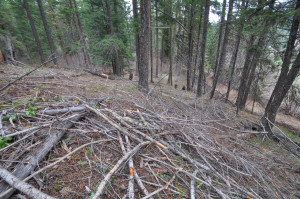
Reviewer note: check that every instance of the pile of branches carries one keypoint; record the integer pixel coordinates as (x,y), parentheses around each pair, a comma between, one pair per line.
(131,145)
(135,149)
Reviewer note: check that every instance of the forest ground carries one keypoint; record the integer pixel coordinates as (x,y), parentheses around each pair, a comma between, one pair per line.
(58,85)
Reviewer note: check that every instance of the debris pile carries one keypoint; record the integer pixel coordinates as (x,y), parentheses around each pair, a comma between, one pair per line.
(133,145)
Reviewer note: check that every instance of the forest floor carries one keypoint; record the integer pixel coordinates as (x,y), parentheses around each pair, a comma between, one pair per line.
(232,157)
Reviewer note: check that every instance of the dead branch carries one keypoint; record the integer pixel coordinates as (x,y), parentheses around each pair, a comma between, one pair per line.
(116,167)
(22,186)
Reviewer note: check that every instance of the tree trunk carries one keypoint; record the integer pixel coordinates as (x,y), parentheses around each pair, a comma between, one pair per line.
(136,36)
(220,37)
(245,72)
(58,34)
(145,36)
(162,54)
(203,45)
(170,78)
(116,61)
(254,63)
(198,47)
(48,31)
(235,53)
(224,50)
(191,48)
(151,57)
(35,35)
(87,59)
(157,52)
(180,51)
(286,77)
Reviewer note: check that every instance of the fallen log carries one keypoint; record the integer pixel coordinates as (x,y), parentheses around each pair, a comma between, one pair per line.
(100,74)
(23,170)
(22,186)
(64,110)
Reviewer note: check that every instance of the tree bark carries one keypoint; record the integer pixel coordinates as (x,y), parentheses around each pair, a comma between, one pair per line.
(235,53)
(286,77)
(47,30)
(245,71)
(220,37)
(191,48)
(170,78)
(162,54)
(136,36)
(151,57)
(145,48)
(198,47)
(34,32)
(224,50)
(157,52)
(253,65)
(203,45)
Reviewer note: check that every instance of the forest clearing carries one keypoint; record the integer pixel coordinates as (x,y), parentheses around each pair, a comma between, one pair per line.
(149,99)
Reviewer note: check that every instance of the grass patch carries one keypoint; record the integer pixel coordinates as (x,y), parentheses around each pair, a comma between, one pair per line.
(290,134)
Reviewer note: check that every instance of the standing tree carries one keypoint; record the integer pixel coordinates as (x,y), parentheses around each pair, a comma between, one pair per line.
(220,36)
(287,75)
(116,61)
(157,41)
(47,30)
(223,51)
(191,47)
(136,35)
(236,49)
(144,44)
(86,55)
(203,45)
(34,32)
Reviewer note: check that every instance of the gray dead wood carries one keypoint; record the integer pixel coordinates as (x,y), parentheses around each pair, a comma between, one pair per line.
(22,171)
(64,110)
(116,167)
(1,127)
(22,186)
(193,192)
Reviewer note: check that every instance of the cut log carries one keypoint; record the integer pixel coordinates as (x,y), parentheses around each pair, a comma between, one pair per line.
(32,161)
(100,74)
(64,110)
(25,188)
